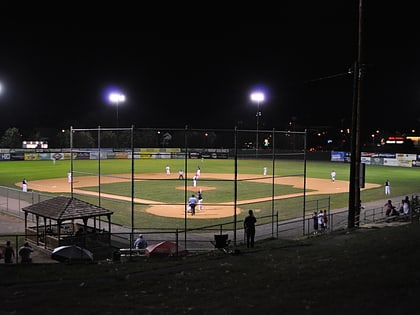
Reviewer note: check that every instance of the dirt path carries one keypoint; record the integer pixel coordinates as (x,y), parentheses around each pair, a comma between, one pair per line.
(319,186)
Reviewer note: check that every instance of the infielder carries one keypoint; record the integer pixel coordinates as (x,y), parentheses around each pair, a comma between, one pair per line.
(25,185)
(180,174)
(200,200)
(387,187)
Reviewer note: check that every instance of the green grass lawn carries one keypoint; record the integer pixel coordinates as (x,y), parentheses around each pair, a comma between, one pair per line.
(365,271)
(404,181)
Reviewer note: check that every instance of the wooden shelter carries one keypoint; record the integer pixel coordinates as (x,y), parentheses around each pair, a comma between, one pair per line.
(64,221)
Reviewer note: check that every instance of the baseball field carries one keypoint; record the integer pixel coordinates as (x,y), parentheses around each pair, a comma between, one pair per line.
(160,198)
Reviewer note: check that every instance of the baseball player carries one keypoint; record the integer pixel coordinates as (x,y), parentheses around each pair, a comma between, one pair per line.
(333,175)
(181,174)
(200,200)
(25,185)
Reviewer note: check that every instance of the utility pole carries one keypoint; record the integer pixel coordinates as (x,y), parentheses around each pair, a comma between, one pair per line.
(354,188)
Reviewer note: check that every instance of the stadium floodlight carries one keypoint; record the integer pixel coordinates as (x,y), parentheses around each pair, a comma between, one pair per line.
(116,98)
(257,97)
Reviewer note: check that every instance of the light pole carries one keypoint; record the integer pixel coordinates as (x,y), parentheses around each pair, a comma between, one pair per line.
(116,98)
(257,97)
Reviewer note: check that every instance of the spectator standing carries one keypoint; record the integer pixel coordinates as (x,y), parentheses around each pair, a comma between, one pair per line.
(387,187)
(321,221)
(315,221)
(9,253)
(25,253)
(325,219)
(406,205)
(358,211)
(249,226)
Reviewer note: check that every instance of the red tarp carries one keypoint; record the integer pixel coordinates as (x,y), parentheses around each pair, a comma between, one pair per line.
(165,248)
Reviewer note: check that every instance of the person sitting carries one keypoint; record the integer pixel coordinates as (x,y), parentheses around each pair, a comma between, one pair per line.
(140,242)
(79,232)
(25,253)
(390,209)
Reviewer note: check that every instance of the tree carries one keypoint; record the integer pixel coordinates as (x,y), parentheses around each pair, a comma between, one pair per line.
(11,139)
(83,139)
(61,139)
(109,139)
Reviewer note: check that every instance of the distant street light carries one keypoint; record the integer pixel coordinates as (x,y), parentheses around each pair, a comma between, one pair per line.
(257,97)
(117,98)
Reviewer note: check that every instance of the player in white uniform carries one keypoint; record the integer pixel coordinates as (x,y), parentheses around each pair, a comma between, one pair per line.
(333,175)
(25,185)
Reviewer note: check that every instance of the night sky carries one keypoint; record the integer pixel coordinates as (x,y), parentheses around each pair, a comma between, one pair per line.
(201,75)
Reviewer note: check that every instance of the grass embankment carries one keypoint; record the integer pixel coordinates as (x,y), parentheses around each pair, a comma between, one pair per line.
(366,271)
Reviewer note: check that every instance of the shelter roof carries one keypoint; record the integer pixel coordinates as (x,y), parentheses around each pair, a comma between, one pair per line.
(63,208)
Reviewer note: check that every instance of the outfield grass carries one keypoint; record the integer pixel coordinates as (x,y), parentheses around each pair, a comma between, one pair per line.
(404,181)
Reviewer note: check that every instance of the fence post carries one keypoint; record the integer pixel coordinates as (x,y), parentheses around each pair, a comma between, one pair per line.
(177,241)
(7,200)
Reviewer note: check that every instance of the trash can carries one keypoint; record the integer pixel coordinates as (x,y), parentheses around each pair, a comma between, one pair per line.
(116,256)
